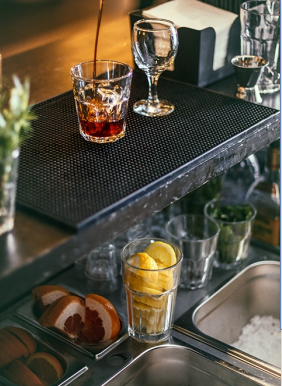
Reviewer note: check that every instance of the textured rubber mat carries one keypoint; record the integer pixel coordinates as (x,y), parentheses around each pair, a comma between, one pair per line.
(72,181)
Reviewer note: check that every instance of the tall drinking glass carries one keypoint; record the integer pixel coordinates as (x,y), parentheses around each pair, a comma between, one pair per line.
(154,47)
(150,292)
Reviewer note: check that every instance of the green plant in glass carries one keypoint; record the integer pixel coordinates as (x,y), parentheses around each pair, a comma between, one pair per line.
(235,223)
(15,127)
(15,117)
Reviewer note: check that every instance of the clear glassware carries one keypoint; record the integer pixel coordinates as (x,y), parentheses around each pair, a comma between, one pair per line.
(154,47)
(101,269)
(260,36)
(101,99)
(235,219)
(150,293)
(196,235)
(8,188)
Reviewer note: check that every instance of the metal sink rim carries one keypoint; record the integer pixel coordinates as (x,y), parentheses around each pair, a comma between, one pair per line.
(178,343)
(192,330)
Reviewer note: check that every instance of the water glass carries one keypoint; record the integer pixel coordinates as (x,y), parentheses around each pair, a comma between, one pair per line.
(101,99)
(101,270)
(150,294)
(260,36)
(197,236)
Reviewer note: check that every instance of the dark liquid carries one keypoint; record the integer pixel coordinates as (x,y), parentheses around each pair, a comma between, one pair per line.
(97,37)
(101,129)
(100,122)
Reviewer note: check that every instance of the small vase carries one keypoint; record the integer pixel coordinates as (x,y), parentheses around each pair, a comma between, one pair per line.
(8,188)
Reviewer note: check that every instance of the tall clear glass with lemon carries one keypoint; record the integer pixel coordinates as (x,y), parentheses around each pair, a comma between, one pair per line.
(151,273)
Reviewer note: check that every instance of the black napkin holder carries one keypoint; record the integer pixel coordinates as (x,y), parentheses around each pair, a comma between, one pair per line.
(194,61)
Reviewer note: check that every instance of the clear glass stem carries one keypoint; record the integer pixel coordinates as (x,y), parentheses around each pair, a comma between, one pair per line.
(153,99)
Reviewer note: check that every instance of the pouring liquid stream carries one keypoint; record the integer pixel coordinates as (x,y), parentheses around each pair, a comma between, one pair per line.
(97,36)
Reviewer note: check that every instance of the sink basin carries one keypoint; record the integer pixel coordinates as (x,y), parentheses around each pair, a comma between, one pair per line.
(171,364)
(255,291)
(219,320)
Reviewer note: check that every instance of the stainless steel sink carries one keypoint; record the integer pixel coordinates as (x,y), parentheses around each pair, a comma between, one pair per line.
(176,365)
(218,321)
(255,291)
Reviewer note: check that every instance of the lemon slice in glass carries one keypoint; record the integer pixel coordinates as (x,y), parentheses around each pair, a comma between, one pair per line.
(144,261)
(162,253)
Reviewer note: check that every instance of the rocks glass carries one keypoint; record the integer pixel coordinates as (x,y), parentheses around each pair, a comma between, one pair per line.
(197,236)
(235,220)
(101,270)
(101,99)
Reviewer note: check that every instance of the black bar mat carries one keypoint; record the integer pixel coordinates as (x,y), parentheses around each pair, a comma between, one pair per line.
(76,182)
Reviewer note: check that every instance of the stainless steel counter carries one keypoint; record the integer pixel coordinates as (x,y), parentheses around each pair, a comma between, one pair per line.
(105,366)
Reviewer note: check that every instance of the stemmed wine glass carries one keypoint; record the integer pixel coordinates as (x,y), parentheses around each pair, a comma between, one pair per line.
(154,47)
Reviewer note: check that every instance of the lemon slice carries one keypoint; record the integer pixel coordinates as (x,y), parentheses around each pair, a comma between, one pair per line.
(152,301)
(165,278)
(145,290)
(162,253)
(144,261)
(134,282)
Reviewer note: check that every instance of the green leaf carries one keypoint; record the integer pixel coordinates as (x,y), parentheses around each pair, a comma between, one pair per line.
(15,117)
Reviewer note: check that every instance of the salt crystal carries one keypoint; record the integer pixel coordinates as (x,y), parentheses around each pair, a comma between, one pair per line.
(261,337)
